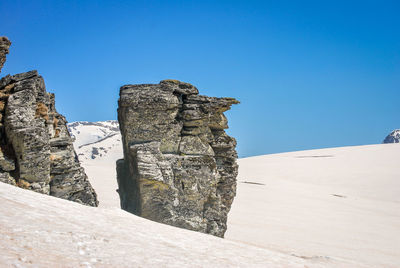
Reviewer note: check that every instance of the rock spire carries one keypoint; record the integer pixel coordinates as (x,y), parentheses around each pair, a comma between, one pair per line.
(179,165)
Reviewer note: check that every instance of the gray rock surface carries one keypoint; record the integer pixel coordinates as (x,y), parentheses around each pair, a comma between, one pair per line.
(4,45)
(179,165)
(393,137)
(36,150)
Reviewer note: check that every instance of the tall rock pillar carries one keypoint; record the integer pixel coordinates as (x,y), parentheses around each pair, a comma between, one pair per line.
(179,165)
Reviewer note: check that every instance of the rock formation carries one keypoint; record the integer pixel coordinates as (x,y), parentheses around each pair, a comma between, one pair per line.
(179,165)
(393,137)
(36,150)
(4,45)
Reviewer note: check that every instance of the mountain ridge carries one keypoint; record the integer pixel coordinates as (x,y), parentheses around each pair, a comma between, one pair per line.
(95,140)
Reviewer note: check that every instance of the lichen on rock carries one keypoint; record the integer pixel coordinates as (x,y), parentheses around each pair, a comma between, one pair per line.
(4,46)
(179,165)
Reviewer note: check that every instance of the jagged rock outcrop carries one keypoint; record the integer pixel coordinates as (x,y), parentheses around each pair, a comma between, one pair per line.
(36,150)
(4,45)
(179,165)
(393,137)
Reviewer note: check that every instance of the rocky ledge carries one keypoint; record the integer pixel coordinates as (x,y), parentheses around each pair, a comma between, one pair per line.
(36,150)
(179,165)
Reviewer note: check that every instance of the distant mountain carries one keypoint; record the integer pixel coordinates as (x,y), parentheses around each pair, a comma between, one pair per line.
(94,140)
(393,137)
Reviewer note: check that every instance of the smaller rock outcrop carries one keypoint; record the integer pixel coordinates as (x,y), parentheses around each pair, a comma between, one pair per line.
(4,45)
(393,137)
(36,150)
(179,165)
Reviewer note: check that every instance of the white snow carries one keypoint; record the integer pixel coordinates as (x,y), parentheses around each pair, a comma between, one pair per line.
(331,205)
(337,203)
(105,138)
(43,231)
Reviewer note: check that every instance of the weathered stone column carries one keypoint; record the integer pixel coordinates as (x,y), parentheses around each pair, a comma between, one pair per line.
(179,165)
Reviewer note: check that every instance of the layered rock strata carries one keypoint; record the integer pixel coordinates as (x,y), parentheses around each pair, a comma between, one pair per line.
(36,150)
(179,165)
(4,45)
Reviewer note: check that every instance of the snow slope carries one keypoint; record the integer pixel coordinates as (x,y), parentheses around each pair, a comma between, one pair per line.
(337,203)
(98,146)
(331,204)
(43,231)
(95,139)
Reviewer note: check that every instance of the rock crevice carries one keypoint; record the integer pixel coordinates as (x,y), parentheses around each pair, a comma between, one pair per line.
(179,165)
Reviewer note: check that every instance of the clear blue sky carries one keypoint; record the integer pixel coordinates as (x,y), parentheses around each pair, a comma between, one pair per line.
(309,74)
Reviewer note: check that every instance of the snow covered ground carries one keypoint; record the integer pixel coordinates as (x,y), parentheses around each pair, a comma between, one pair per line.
(43,231)
(331,203)
(336,205)
(95,139)
(99,146)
